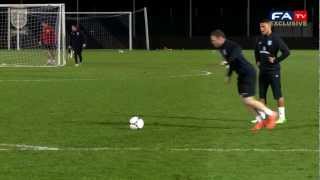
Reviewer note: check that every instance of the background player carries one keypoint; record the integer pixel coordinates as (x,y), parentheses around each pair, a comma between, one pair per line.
(48,41)
(268,61)
(77,42)
(246,78)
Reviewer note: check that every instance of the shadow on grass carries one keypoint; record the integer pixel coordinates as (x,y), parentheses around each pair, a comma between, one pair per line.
(184,122)
(177,122)
(176,117)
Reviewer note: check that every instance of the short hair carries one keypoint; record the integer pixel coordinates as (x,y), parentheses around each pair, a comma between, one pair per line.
(218,33)
(265,21)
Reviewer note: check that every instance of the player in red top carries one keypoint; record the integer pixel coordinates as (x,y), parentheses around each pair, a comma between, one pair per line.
(48,41)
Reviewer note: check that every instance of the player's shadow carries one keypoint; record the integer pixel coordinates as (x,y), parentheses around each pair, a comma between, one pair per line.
(295,127)
(177,121)
(123,125)
(177,117)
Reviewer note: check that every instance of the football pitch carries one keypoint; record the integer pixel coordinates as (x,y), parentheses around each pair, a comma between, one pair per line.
(72,123)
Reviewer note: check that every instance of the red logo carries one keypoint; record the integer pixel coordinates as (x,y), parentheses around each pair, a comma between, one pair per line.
(300,15)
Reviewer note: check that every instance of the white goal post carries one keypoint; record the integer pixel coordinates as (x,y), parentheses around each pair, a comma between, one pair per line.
(23,41)
(37,35)
(138,15)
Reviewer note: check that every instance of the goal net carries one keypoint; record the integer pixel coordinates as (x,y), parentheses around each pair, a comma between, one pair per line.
(32,35)
(111,30)
(102,30)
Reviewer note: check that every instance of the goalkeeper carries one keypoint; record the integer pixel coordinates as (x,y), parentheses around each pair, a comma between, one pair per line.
(77,42)
(48,41)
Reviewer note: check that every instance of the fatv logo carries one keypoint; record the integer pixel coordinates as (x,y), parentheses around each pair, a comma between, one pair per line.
(281,16)
(299,15)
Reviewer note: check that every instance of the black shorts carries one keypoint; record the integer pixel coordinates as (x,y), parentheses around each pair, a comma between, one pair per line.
(247,85)
(272,79)
(77,50)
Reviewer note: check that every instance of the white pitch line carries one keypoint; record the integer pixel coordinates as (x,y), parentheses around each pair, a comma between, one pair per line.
(203,73)
(24,147)
(29,147)
(244,150)
(45,80)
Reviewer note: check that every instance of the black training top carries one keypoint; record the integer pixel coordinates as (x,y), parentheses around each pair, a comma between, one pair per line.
(76,39)
(269,46)
(232,53)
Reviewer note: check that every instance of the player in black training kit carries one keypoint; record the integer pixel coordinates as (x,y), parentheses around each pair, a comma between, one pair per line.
(235,61)
(268,61)
(77,42)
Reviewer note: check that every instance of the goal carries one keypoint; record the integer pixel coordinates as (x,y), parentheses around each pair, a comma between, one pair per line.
(103,30)
(32,35)
(110,30)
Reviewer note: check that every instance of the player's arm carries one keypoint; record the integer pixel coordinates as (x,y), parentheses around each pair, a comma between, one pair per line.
(235,53)
(83,40)
(257,53)
(41,38)
(223,62)
(285,52)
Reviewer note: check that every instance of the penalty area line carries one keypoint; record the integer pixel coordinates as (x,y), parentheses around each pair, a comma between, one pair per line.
(25,147)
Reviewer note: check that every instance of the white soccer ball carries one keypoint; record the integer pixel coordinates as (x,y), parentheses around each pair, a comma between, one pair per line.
(136,123)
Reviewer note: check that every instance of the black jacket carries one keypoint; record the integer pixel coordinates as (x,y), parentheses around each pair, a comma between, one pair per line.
(76,40)
(269,46)
(232,53)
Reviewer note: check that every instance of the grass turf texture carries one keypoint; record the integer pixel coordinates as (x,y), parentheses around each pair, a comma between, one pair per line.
(90,106)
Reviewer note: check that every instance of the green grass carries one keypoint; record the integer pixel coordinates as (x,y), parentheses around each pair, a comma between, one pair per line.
(24,57)
(89,107)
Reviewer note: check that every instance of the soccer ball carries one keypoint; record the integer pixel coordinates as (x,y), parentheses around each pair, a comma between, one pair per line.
(136,123)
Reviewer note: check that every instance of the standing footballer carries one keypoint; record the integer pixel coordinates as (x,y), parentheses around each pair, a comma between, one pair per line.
(48,41)
(268,61)
(235,60)
(77,42)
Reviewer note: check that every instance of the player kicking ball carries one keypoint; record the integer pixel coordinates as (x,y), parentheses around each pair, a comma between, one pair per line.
(235,61)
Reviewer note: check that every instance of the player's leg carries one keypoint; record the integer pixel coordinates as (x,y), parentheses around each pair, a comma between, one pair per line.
(260,123)
(277,94)
(263,89)
(76,61)
(264,83)
(49,57)
(246,89)
(255,112)
(52,55)
(80,55)
(47,48)
(255,104)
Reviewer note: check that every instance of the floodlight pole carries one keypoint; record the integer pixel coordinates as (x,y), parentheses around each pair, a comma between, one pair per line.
(248,18)
(134,17)
(77,12)
(190,18)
